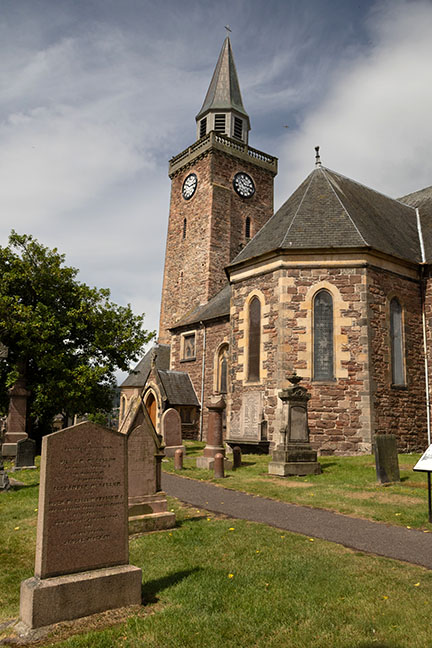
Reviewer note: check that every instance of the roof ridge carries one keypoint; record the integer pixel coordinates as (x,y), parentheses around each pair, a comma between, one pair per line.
(324,169)
(298,208)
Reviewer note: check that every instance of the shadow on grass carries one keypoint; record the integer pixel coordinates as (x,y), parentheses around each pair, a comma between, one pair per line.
(327,464)
(246,463)
(374,644)
(17,485)
(151,588)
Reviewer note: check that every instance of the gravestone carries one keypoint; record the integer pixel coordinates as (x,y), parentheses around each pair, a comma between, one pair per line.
(147,503)
(4,478)
(25,456)
(82,554)
(214,446)
(250,434)
(294,455)
(16,421)
(386,458)
(171,432)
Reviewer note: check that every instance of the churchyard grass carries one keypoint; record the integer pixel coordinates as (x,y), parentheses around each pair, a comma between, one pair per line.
(347,485)
(213,582)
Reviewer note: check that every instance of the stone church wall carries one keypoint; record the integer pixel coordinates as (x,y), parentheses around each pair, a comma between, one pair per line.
(339,409)
(217,333)
(398,410)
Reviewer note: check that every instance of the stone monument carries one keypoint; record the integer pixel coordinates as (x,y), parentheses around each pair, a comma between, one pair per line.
(249,429)
(293,455)
(171,432)
(386,458)
(82,556)
(16,421)
(25,455)
(4,478)
(215,406)
(147,503)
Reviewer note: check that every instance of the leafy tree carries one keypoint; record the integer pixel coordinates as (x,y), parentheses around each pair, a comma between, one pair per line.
(64,338)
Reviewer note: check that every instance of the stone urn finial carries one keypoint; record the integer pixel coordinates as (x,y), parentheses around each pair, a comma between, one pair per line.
(294,378)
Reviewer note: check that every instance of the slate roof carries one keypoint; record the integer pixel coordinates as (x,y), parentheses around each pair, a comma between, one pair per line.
(423,201)
(329,210)
(218,306)
(178,388)
(138,377)
(224,89)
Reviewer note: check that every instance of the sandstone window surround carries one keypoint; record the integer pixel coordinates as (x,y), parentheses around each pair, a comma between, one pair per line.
(188,346)
(221,369)
(397,343)
(341,354)
(323,336)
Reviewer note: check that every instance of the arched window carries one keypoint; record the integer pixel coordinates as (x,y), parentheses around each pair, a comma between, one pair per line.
(254,342)
(122,408)
(396,343)
(184,227)
(222,370)
(248,227)
(323,362)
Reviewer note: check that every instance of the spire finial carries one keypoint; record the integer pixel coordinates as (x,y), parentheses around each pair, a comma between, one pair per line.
(317,157)
(228,28)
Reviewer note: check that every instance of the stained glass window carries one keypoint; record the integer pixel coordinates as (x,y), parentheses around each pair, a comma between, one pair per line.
(396,338)
(254,339)
(323,336)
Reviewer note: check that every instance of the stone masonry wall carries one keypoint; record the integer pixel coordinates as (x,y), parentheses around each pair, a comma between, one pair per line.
(217,333)
(215,231)
(339,410)
(398,410)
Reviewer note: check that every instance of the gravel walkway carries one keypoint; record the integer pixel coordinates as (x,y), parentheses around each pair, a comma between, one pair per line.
(410,545)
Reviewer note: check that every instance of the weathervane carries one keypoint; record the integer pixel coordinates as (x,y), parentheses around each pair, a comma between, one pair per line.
(317,156)
(228,28)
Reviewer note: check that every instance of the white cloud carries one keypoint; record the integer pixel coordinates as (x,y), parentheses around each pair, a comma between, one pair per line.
(374,123)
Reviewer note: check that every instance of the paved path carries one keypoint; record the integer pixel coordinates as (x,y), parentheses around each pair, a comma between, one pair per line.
(400,543)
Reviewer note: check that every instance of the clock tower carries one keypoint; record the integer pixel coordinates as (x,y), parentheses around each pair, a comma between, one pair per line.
(221,195)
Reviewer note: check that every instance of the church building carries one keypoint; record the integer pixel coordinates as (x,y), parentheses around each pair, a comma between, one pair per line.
(336,286)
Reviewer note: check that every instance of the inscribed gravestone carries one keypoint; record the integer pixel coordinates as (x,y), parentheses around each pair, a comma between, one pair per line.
(82,553)
(147,504)
(250,417)
(386,458)
(25,456)
(172,432)
(82,518)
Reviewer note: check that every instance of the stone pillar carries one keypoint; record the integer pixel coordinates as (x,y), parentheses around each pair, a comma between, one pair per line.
(178,459)
(219,466)
(16,421)
(293,455)
(215,406)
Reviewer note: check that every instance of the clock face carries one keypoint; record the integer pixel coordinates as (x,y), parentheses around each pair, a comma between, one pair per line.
(189,186)
(243,185)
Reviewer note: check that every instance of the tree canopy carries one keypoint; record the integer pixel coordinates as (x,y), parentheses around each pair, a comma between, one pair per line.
(65,338)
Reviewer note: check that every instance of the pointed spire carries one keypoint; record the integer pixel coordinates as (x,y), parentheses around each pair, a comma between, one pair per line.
(224,96)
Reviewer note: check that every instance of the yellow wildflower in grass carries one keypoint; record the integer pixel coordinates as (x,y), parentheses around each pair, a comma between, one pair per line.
(416,584)
(385,597)
(16,528)
(208,519)
(230,575)
(398,513)
(282,536)
(231,529)
(408,527)
(311,539)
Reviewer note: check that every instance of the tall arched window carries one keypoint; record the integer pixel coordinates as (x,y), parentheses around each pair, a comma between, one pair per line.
(184,227)
(396,343)
(122,408)
(323,362)
(254,342)
(222,370)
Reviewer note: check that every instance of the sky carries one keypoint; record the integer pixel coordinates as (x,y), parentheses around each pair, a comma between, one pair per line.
(97,95)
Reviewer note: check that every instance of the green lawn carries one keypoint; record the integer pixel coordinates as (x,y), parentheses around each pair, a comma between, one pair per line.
(215,582)
(347,485)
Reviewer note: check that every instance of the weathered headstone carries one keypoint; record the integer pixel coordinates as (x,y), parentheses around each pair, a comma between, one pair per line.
(293,455)
(250,433)
(16,421)
(4,479)
(171,432)
(386,458)
(237,457)
(82,552)
(214,446)
(25,456)
(147,503)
